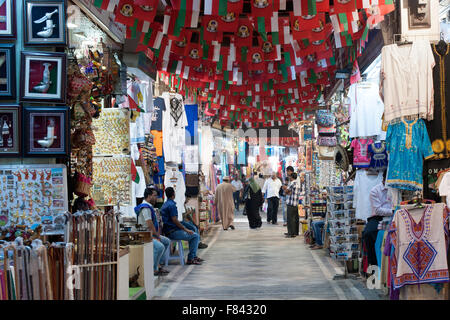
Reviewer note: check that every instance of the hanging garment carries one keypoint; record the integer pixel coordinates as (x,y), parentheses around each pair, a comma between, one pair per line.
(157,114)
(174,124)
(175,179)
(378,156)
(438,129)
(366,110)
(407,73)
(408,144)
(192,127)
(361,192)
(361,156)
(419,237)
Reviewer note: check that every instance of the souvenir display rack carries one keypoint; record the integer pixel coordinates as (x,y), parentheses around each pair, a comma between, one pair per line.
(111,161)
(33,195)
(341,222)
(318,205)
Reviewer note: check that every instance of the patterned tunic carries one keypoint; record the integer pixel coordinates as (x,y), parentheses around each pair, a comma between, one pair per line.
(420,248)
(408,144)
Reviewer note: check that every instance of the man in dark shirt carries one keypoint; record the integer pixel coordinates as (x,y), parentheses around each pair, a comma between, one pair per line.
(174,230)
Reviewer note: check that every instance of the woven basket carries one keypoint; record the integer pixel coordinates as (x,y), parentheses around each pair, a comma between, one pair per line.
(83,185)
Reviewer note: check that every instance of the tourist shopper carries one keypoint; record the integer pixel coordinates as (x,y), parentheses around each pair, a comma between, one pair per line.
(272,188)
(237,184)
(292,199)
(259,178)
(253,200)
(224,202)
(146,212)
(174,230)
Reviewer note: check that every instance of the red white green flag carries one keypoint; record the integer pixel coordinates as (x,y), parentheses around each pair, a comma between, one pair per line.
(222,7)
(107,5)
(134,174)
(304,7)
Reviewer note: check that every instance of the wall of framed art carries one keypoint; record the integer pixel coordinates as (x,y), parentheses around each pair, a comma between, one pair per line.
(10,124)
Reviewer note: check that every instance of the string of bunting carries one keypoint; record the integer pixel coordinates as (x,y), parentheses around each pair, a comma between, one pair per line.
(263,62)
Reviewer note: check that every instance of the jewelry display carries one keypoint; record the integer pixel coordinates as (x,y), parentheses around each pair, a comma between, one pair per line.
(112,180)
(111,132)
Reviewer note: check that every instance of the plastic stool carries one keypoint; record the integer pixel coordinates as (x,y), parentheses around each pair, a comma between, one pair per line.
(179,256)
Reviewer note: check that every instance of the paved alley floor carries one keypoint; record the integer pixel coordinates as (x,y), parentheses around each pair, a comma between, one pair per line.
(250,264)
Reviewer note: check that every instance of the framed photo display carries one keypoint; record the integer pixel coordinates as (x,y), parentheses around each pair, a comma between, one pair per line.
(8,19)
(46,131)
(7,71)
(10,130)
(44,22)
(43,77)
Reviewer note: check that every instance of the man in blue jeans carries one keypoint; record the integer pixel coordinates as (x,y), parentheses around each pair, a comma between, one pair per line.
(146,212)
(174,230)
(317,227)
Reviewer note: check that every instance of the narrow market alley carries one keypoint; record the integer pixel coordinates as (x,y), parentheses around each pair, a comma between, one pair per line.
(246,264)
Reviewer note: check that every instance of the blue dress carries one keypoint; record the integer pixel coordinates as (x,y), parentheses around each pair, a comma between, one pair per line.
(379,157)
(408,144)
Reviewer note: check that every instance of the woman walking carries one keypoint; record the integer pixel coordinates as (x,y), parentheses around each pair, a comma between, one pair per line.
(253,201)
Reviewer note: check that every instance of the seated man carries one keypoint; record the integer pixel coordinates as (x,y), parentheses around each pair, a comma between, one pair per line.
(146,212)
(174,230)
(317,227)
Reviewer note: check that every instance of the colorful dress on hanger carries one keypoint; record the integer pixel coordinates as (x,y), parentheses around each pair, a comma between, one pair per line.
(361,157)
(378,155)
(420,246)
(408,144)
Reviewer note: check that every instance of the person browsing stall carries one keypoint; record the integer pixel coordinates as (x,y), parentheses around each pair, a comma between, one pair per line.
(174,230)
(146,212)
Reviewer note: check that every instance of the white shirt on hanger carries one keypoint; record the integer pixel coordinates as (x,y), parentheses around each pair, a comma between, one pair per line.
(366,110)
(408,80)
(174,135)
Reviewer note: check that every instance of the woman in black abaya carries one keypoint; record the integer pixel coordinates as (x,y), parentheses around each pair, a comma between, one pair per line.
(253,201)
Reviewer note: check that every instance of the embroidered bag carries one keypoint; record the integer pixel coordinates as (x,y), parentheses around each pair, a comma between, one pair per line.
(327,141)
(324,118)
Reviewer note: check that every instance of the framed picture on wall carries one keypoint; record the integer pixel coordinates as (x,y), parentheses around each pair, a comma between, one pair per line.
(44,22)
(10,130)
(43,77)
(7,19)
(419,14)
(7,71)
(46,131)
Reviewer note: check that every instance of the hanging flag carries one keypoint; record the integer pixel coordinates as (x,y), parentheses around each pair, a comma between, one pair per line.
(228,22)
(180,43)
(244,33)
(134,174)
(127,12)
(210,27)
(222,7)
(262,8)
(108,5)
(323,5)
(355,75)
(304,7)
(193,54)
(322,32)
(153,37)
(344,6)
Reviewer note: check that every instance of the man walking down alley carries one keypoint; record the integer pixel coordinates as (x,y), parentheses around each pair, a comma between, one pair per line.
(237,184)
(224,202)
(272,188)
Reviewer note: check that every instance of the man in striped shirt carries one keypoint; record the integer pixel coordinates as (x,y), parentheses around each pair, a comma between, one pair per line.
(292,191)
